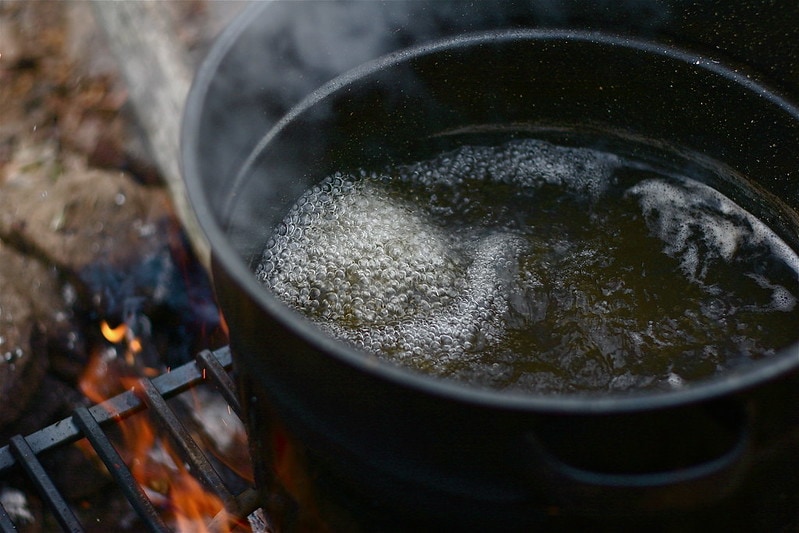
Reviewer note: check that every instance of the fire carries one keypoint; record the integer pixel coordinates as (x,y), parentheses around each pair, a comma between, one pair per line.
(154,463)
(190,500)
(223,324)
(161,472)
(124,333)
(113,335)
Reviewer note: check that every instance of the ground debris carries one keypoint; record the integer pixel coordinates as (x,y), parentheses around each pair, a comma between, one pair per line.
(75,214)
(58,211)
(82,208)
(29,301)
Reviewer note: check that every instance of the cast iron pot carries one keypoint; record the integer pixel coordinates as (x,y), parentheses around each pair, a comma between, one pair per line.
(362,444)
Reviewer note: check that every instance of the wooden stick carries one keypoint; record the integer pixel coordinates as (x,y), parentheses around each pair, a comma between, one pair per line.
(157,71)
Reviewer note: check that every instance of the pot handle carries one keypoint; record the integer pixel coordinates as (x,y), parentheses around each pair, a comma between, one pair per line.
(587,490)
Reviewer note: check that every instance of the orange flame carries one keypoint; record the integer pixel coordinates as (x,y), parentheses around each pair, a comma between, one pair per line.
(159,469)
(223,324)
(93,383)
(113,335)
(190,500)
(152,461)
(123,333)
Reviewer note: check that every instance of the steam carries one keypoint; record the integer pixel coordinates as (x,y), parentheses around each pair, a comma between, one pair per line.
(289,49)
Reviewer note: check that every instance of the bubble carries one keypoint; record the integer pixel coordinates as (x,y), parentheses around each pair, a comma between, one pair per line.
(783,300)
(373,266)
(674,380)
(527,265)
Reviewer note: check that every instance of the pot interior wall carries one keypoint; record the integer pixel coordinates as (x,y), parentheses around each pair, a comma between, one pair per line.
(572,87)
(277,53)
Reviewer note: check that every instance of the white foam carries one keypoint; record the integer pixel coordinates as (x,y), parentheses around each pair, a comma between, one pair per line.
(348,253)
(382,277)
(449,334)
(527,163)
(426,265)
(781,298)
(699,225)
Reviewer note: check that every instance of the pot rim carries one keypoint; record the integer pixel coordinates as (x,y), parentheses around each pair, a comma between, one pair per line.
(224,256)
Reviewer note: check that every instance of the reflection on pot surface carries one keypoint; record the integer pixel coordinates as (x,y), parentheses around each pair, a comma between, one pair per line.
(539,267)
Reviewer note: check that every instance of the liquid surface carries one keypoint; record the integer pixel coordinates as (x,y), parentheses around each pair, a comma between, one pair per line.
(535,267)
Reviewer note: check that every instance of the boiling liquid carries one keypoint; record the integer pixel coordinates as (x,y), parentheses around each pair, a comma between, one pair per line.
(537,267)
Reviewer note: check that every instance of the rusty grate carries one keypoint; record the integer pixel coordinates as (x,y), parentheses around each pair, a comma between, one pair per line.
(208,368)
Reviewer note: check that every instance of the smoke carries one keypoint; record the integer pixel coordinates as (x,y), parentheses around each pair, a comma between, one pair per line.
(288,49)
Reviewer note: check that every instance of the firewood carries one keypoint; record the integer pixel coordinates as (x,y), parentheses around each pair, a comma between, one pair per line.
(157,71)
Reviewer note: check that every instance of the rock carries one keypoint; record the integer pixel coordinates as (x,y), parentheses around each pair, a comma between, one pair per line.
(72,215)
(30,302)
(57,215)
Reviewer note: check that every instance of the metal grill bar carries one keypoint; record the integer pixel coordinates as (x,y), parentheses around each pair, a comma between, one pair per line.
(65,431)
(6,525)
(116,466)
(49,492)
(149,394)
(214,368)
(189,450)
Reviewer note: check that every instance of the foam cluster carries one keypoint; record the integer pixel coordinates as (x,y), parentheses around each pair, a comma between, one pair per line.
(349,254)
(378,272)
(702,227)
(537,267)
(526,164)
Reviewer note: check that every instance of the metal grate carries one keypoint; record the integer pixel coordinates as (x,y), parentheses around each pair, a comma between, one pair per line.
(149,394)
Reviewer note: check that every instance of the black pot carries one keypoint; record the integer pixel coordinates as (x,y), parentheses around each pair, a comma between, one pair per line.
(363,444)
